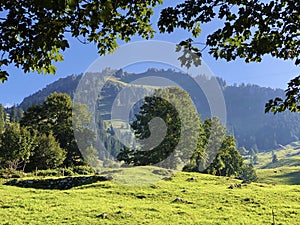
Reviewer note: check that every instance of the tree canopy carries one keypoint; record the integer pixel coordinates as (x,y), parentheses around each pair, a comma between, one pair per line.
(228,161)
(175,109)
(34,33)
(16,145)
(55,116)
(44,138)
(251,29)
(46,154)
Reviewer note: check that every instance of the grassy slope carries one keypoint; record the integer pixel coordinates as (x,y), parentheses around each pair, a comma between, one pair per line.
(282,175)
(209,201)
(287,156)
(285,171)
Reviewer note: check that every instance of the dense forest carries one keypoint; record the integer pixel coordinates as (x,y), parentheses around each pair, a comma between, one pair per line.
(246,120)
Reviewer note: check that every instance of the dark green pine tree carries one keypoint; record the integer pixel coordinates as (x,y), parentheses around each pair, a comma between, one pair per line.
(274,158)
(2,118)
(228,161)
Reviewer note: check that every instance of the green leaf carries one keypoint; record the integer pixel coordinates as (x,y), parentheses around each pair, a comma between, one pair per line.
(3,76)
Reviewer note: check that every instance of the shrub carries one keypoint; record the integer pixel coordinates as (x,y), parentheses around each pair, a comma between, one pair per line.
(11,173)
(48,173)
(111,164)
(83,170)
(190,167)
(248,174)
(66,172)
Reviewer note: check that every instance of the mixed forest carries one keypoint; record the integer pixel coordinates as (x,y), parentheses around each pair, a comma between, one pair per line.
(50,136)
(245,103)
(42,131)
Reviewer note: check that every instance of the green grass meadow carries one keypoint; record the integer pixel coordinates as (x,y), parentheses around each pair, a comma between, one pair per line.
(288,156)
(140,196)
(283,175)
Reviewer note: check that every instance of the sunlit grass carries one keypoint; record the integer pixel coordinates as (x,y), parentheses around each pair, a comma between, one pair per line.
(287,156)
(281,175)
(206,200)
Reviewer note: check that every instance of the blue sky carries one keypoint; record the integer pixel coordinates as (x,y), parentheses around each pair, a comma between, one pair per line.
(269,73)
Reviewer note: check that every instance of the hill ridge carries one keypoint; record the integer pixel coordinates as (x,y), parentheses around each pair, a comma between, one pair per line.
(246,119)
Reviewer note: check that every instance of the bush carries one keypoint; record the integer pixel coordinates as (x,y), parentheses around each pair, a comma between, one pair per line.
(190,167)
(248,174)
(47,154)
(66,172)
(55,172)
(11,173)
(80,170)
(48,173)
(83,170)
(111,164)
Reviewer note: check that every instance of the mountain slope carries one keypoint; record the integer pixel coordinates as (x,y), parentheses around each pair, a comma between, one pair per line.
(247,121)
(63,85)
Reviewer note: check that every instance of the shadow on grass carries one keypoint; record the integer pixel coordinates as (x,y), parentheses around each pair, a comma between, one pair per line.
(292,178)
(58,183)
(281,163)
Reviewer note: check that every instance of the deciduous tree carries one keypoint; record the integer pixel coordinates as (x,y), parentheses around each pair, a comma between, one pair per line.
(251,29)
(34,32)
(55,115)
(182,122)
(16,145)
(47,154)
(247,173)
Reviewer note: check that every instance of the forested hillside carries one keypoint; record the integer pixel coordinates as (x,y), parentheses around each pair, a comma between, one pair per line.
(64,85)
(245,104)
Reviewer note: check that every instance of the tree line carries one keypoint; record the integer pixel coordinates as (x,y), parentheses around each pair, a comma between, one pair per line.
(44,138)
(198,146)
(245,108)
